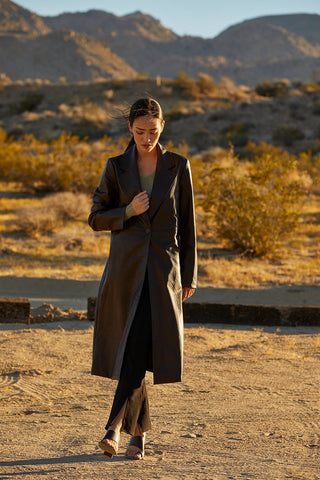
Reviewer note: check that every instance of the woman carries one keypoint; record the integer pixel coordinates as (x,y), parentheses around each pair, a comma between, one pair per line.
(145,198)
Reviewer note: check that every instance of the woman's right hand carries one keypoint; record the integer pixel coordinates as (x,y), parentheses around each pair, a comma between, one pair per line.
(140,203)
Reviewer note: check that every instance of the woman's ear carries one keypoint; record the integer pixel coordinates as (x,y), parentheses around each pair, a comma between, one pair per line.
(162,126)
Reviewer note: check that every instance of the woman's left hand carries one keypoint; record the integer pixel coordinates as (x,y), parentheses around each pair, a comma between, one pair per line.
(187,293)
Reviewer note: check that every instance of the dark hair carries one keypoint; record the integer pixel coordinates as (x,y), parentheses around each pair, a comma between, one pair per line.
(141,108)
(145,107)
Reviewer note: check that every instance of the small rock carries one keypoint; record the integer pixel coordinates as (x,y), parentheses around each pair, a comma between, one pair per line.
(189,435)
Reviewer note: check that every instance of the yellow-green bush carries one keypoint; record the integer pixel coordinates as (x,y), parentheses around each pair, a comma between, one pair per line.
(193,89)
(186,85)
(66,164)
(206,84)
(277,88)
(255,205)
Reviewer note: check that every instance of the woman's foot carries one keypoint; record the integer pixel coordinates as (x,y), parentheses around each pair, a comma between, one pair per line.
(109,443)
(135,450)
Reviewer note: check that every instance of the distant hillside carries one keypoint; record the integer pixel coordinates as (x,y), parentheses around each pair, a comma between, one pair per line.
(71,55)
(137,38)
(103,25)
(102,44)
(256,41)
(15,20)
(249,52)
(302,24)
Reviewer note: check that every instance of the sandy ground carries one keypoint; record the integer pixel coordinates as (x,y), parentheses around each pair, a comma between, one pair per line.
(248,407)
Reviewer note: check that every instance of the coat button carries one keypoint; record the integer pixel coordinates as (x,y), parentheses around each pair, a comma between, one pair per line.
(147,230)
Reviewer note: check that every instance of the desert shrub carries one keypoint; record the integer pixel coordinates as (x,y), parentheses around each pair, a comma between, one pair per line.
(69,206)
(181,149)
(142,77)
(187,86)
(88,119)
(312,148)
(54,211)
(255,205)
(309,163)
(309,87)
(278,88)
(5,80)
(65,164)
(176,113)
(108,94)
(28,103)
(117,84)
(234,133)
(193,89)
(287,135)
(33,221)
(206,84)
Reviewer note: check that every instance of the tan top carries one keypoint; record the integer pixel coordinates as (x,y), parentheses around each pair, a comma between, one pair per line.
(146,182)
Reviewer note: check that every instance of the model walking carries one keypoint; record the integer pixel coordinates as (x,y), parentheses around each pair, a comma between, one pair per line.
(145,199)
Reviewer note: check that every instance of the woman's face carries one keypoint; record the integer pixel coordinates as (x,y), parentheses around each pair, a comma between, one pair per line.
(146,131)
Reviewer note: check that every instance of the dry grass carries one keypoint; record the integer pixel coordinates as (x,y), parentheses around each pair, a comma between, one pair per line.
(67,250)
(72,250)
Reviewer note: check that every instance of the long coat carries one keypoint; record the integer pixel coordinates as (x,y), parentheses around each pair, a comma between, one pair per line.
(160,242)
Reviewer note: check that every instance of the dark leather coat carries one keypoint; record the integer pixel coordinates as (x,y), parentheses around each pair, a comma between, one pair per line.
(161,241)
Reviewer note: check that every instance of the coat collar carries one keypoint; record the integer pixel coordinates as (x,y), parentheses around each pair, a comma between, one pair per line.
(165,173)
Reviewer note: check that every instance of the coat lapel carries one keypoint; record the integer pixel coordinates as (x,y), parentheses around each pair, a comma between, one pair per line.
(130,179)
(129,175)
(164,176)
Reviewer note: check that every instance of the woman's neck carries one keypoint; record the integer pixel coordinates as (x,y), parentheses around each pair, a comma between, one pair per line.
(147,162)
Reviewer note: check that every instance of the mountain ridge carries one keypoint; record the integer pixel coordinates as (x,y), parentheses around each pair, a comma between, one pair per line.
(247,52)
(16,20)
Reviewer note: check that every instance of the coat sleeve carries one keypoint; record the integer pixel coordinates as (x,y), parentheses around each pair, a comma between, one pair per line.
(105,211)
(187,230)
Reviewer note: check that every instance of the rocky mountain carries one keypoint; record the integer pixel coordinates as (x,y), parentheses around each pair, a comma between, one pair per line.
(262,41)
(302,24)
(103,25)
(15,20)
(66,54)
(137,38)
(249,52)
(283,46)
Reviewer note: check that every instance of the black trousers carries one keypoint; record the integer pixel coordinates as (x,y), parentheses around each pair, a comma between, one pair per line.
(137,360)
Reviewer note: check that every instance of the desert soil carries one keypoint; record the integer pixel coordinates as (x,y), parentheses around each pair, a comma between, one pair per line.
(248,407)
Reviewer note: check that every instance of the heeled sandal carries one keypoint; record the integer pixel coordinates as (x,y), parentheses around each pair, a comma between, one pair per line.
(108,449)
(137,441)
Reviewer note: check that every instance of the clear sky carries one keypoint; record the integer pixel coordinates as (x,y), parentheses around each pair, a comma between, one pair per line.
(205,18)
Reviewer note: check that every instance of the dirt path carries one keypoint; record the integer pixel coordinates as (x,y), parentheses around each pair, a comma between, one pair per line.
(74,293)
(248,407)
